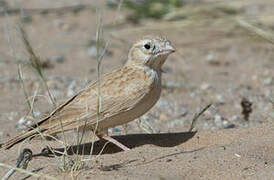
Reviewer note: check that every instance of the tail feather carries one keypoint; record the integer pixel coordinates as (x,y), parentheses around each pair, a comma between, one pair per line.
(17,139)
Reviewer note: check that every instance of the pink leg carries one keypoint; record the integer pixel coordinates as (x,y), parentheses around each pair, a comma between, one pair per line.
(110,139)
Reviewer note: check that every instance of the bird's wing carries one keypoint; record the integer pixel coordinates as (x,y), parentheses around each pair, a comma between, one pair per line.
(120,91)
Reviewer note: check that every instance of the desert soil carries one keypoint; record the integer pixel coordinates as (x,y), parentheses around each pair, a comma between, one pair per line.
(219,61)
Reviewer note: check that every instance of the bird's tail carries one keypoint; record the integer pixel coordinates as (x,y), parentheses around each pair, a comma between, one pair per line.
(17,139)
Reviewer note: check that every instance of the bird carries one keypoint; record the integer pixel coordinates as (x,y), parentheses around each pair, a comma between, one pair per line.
(125,94)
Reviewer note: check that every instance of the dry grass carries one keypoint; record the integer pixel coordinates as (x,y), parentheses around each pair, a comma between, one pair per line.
(27,172)
(36,63)
(268,36)
(195,118)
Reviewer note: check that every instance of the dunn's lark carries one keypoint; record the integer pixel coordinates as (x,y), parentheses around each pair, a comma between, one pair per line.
(126,94)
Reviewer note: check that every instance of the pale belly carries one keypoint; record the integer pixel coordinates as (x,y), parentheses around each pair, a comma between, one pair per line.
(144,105)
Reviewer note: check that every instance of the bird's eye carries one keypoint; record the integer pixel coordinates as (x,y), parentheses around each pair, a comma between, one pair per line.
(147,46)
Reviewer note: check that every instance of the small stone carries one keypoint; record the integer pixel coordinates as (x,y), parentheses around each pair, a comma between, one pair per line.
(205,86)
(183,112)
(162,104)
(193,94)
(59,58)
(210,57)
(235,118)
(92,51)
(21,121)
(229,126)
(220,99)
(167,69)
(163,117)
(225,123)
(218,120)
(71,89)
(268,81)
(21,124)
(116,129)
(28,123)
(173,85)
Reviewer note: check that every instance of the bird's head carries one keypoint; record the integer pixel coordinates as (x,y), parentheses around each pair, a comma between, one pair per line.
(150,51)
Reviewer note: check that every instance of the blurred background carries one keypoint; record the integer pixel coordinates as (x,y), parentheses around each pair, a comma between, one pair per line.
(225,56)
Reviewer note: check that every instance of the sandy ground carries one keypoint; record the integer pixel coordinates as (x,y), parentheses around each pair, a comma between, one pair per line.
(217,61)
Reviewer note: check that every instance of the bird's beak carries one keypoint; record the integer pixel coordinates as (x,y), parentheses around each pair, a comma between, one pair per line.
(170,48)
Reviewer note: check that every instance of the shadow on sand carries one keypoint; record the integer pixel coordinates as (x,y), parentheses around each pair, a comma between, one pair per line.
(131,141)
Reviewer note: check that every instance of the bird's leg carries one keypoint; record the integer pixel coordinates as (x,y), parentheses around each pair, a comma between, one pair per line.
(114,141)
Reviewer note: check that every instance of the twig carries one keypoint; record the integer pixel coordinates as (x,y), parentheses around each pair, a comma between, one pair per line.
(22,162)
(99,58)
(258,31)
(76,8)
(20,75)
(195,118)
(35,63)
(27,172)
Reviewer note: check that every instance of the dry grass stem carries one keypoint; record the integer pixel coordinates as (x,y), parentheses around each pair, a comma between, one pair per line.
(35,63)
(268,36)
(195,118)
(58,10)
(20,75)
(145,126)
(28,172)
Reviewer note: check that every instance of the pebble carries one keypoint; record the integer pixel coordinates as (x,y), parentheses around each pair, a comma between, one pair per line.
(193,94)
(205,86)
(268,81)
(92,51)
(162,104)
(23,123)
(116,129)
(229,126)
(183,112)
(172,84)
(163,117)
(71,89)
(210,57)
(218,120)
(22,120)
(220,99)
(235,118)
(59,58)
